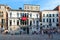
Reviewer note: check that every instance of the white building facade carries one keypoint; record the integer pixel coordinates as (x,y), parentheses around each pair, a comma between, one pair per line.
(49,19)
(27,21)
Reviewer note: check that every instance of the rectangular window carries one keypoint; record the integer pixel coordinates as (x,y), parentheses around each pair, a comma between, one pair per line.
(43,15)
(10,22)
(43,20)
(47,19)
(49,15)
(22,14)
(27,7)
(17,22)
(27,15)
(53,15)
(30,23)
(21,22)
(37,15)
(57,19)
(53,20)
(37,22)
(56,15)
(10,14)
(3,21)
(25,22)
(57,24)
(17,14)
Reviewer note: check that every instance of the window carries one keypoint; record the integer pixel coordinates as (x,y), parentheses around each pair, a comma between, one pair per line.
(43,15)
(30,15)
(57,19)
(27,7)
(17,14)
(53,20)
(53,15)
(57,24)
(37,22)
(21,22)
(47,19)
(22,14)
(17,22)
(10,22)
(10,14)
(49,15)
(43,20)
(3,21)
(56,15)
(14,21)
(37,15)
(30,23)
(27,14)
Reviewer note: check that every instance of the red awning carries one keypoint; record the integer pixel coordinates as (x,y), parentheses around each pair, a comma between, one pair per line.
(24,18)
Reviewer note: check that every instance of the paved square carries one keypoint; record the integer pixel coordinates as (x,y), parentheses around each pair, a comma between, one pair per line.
(29,37)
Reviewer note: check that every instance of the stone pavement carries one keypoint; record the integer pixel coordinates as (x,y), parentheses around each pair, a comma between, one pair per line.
(29,37)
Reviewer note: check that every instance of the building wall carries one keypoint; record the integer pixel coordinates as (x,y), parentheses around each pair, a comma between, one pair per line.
(32,16)
(46,16)
(58,9)
(3,17)
(32,7)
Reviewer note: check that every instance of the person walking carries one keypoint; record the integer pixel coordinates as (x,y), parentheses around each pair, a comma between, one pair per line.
(50,35)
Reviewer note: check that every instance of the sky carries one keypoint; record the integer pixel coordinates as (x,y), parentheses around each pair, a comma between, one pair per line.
(44,4)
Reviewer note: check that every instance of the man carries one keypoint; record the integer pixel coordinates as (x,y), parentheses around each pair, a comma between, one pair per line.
(50,35)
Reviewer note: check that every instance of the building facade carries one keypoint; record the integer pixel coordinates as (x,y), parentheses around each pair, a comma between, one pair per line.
(50,19)
(58,9)
(3,17)
(27,21)
(31,7)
